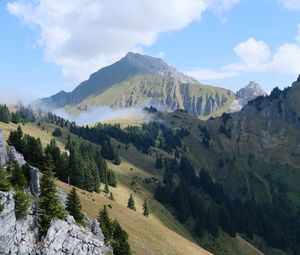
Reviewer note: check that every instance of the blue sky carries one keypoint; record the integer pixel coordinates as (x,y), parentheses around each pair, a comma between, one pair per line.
(51,45)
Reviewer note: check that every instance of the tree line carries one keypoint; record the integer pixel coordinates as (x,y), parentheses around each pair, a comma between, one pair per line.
(21,115)
(142,137)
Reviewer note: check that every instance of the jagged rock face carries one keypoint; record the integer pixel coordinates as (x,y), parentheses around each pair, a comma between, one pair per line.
(7,222)
(34,180)
(246,94)
(65,237)
(16,236)
(3,150)
(16,157)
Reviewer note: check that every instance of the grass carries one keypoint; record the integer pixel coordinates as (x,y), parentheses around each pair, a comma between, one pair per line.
(146,236)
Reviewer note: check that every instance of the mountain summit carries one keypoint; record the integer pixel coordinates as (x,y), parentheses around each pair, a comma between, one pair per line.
(137,80)
(246,94)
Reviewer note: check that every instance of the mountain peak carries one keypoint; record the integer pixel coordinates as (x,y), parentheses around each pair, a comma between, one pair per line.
(151,65)
(246,94)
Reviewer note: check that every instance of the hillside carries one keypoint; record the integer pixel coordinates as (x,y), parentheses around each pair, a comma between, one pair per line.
(163,225)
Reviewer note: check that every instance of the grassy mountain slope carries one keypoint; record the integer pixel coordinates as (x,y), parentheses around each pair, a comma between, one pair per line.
(169,93)
(161,233)
(138,79)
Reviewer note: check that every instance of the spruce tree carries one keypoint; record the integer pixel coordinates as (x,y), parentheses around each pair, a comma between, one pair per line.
(18,178)
(105,224)
(106,189)
(111,196)
(159,163)
(117,160)
(16,139)
(49,206)
(146,210)
(131,203)
(120,240)
(111,178)
(4,183)
(74,207)
(22,204)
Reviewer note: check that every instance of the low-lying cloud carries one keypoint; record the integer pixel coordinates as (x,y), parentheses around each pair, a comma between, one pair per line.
(107,114)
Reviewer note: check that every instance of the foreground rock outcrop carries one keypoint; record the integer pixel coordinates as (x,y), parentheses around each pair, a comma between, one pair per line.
(64,236)
(21,236)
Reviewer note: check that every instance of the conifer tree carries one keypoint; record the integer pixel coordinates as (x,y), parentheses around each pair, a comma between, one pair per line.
(117,160)
(22,204)
(131,203)
(15,118)
(74,207)
(18,178)
(4,183)
(105,223)
(159,163)
(106,189)
(111,178)
(4,114)
(111,196)
(146,210)
(16,139)
(49,206)
(120,240)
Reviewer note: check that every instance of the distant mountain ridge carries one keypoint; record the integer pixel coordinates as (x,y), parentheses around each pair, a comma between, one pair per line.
(139,80)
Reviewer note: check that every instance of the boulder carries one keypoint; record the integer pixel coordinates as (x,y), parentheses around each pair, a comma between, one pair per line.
(16,157)
(34,180)
(3,150)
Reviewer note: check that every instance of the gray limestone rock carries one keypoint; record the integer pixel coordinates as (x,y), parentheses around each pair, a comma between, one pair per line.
(34,180)
(64,236)
(3,150)
(16,157)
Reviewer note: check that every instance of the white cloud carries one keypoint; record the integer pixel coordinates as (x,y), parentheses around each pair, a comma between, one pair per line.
(82,36)
(290,4)
(286,60)
(252,52)
(255,57)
